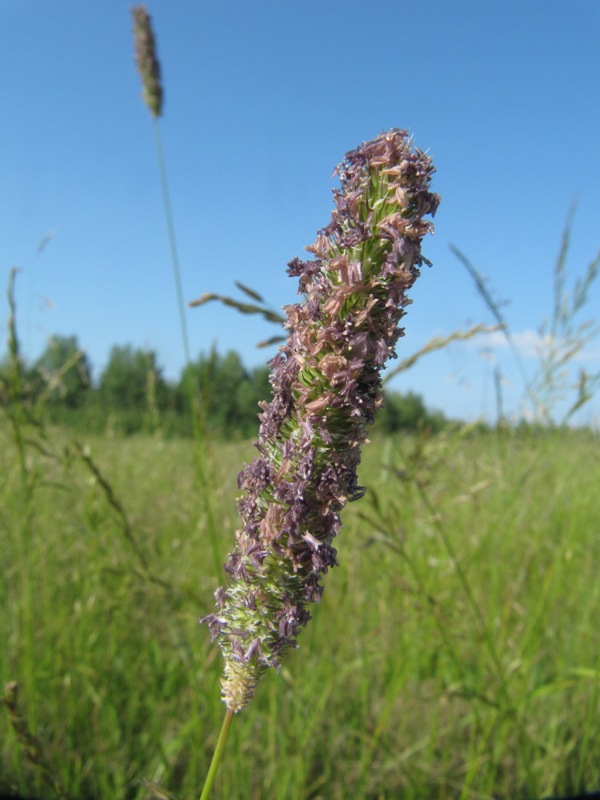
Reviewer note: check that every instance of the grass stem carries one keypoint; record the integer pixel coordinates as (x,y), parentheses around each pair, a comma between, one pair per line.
(216,759)
(172,242)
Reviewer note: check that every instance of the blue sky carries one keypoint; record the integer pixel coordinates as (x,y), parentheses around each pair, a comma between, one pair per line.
(262,100)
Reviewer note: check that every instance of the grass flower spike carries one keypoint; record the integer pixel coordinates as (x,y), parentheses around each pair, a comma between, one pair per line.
(326,388)
(146,60)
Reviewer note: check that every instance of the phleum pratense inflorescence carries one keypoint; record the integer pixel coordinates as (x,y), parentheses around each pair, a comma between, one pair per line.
(146,60)
(326,388)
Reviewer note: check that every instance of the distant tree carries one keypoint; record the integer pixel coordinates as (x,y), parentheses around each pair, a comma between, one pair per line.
(63,371)
(228,393)
(132,379)
(216,380)
(407,412)
(231,380)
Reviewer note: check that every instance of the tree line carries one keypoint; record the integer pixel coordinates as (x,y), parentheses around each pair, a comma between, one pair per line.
(131,394)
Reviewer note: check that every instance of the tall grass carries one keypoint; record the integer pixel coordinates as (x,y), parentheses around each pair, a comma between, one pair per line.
(403,687)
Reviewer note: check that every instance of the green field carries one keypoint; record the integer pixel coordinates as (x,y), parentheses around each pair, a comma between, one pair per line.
(456,653)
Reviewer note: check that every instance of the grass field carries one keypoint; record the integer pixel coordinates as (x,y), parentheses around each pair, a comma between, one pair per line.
(456,653)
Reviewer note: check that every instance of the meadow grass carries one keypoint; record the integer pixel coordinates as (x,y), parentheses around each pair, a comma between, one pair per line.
(455,653)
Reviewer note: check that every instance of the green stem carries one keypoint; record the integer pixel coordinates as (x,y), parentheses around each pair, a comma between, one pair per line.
(172,242)
(216,759)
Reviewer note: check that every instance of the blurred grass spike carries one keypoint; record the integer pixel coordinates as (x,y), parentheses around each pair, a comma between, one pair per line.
(270,341)
(437,343)
(248,308)
(146,60)
(31,744)
(250,292)
(243,308)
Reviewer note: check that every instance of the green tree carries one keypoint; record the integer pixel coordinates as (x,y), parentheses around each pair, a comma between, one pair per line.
(63,372)
(217,380)
(132,386)
(228,393)
(407,412)
(125,380)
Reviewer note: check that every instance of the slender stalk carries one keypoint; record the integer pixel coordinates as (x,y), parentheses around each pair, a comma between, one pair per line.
(216,759)
(193,394)
(148,65)
(172,242)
